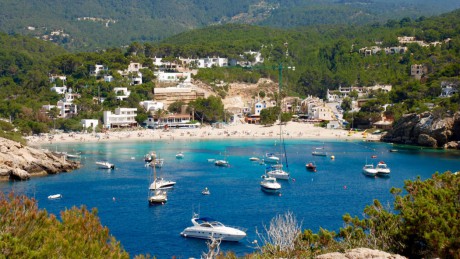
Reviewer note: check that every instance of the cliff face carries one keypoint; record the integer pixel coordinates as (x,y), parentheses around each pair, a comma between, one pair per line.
(426,130)
(21,162)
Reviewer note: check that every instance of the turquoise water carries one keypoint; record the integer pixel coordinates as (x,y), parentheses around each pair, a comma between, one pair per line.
(316,199)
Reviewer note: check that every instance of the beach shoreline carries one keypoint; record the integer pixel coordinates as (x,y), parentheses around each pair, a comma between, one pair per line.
(292,130)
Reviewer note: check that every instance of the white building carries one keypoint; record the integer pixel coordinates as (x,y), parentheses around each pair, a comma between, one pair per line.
(132,73)
(108,79)
(98,70)
(258,107)
(321,113)
(209,62)
(152,105)
(122,93)
(59,90)
(89,123)
(184,77)
(123,117)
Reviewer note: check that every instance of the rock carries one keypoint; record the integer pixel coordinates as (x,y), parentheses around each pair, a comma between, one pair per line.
(21,162)
(426,140)
(361,253)
(425,129)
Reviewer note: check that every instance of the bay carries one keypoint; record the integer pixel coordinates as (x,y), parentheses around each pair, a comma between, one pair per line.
(317,199)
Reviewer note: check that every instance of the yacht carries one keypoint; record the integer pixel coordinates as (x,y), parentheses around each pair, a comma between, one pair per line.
(105,165)
(271,158)
(269,184)
(180,155)
(160,183)
(55,196)
(206,228)
(222,163)
(277,172)
(319,151)
(158,197)
(382,169)
(369,170)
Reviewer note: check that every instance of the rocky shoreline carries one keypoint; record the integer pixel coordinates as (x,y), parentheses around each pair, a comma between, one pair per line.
(19,162)
(426,129)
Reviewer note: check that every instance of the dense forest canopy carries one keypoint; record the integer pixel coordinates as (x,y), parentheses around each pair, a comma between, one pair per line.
(93,25)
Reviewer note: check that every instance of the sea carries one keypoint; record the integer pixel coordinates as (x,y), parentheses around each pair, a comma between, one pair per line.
(316,199)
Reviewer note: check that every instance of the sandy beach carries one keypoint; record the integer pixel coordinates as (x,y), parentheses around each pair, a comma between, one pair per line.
(293,130)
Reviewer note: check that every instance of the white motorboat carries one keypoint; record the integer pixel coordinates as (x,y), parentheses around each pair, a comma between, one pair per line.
(160,183)
(158,197)
(222,163)
(271,158)
(55,196)
(382,169)
(105,165)
(180,155)
(206,228)
(277,172)
(72,156)
(254,159)
(205,191)
(319,151)
(369,170)
(269,184)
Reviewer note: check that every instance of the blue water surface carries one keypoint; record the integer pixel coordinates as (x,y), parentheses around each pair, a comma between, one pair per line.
(317,199)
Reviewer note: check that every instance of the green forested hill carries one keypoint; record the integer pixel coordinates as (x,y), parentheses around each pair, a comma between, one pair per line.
(324,57)
(119,22)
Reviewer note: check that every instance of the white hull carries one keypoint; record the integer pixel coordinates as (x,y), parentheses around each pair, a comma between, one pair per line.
(105,165)
(199,233)
(158,197)
(55,196)
(278,174)
(205,228)
(382,169)
(161,184)
(222,163)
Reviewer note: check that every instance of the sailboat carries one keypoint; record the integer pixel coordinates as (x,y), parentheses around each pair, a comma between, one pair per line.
(276,170)
(156,195)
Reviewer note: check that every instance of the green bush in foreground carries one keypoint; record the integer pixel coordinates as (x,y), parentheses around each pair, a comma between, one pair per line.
(27,232)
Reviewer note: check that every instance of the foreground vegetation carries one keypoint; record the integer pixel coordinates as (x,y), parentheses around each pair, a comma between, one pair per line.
(424,222)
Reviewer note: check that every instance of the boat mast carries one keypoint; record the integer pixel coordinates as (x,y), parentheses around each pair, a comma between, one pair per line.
(280,78)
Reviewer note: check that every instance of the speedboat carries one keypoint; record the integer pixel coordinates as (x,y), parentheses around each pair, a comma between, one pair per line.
(277,172)
(222,163)
(271,158)
(311,166)
(180,155)
(105,165)
(206,228)
(269,184)
(55,196)
(254,159)
(369,170)
(205,191)
(382,169)
(158,197)
(160,183)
